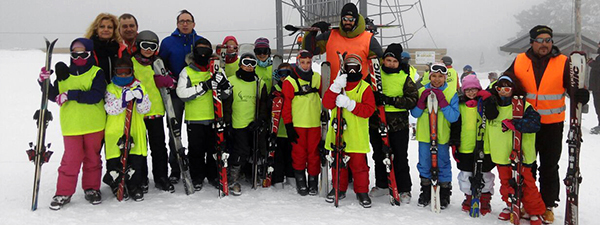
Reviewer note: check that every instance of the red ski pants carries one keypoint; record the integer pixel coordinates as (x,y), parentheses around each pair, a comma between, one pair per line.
(305,154)
(360,173)
(80,149)
(532,200)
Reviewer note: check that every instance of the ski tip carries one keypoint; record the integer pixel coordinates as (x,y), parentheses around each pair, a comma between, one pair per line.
(326,63)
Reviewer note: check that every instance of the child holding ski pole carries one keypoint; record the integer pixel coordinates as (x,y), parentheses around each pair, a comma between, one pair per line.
(79,91)
(124,90)
(466,140)
(147,45)
(499,141)
(435,177)
(302,118)
(283,155)
(354,95)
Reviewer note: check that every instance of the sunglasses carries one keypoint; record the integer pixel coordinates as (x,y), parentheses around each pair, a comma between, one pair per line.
(542,40)
(262,51)
(439,69)
(284,72)
(249,62)
(353,68)
(504,89)
(348,19)
(125,70)
(83,55)
(148,46)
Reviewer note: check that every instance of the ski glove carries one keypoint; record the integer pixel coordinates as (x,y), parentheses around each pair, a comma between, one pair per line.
(44,74)
(164,81)
(440,97)
(345,102)
(339,83)
(471,103)
(256,125)
(62,71)
(507,125)
(138,94)
(322,25)
(291,132)
(422,103)
(582,96)
(126,96)
(61,98)
(201,88)
(484,94)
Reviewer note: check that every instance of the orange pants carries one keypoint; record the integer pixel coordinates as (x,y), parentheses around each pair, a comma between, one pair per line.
(531,198)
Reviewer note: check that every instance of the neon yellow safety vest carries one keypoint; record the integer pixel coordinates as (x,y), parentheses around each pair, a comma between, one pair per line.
(80,118)
(452,79)
(306,109)
(265,74)
(356,134)
(200,108)
(425,79)
(443,127)
(145,74)
(413,73)
(500,144)
(393,86)
(231,68)
(470,121)
(244,102)
(115,126)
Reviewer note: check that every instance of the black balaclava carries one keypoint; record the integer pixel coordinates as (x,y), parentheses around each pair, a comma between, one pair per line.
(202,54)
(244,75)
(353,76)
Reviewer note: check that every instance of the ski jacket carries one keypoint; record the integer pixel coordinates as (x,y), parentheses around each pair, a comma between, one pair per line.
(174,48)
(546,81)
(106,53)
(304,109)
(198,105)
(145,74)
(239,109)
(595,75)
(449,115)
(115,121)
(356,135)
(358,41)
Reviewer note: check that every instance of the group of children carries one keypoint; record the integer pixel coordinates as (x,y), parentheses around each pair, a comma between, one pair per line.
(93,114)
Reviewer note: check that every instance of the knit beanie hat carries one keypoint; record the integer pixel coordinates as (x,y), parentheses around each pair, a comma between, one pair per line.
(349,9)
(540,29)
(394,50)
(470,81)
(261,43)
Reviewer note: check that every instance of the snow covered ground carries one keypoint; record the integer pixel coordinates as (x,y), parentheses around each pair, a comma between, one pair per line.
(20,97)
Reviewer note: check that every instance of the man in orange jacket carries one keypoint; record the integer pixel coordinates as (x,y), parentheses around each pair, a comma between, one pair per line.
(544,73)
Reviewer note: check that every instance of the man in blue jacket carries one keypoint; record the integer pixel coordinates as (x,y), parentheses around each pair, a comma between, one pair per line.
(173,50)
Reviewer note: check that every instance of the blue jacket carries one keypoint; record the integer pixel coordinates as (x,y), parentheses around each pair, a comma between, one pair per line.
(174,48)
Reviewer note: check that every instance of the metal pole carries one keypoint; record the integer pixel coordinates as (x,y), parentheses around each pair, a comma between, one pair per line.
(279,26)
(578,25)
(362,4)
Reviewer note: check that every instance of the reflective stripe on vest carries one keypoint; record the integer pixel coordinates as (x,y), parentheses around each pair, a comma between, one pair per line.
(358,45)
(306,109)
(549,98)
(115,126)
(393,86)
(200,108)
(145,74)
(80,118)
(356,134)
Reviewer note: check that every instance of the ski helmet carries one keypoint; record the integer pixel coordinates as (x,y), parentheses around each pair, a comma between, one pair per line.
(146,35)
(447,60)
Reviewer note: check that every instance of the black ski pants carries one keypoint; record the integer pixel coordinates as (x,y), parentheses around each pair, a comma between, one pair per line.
(399,143)
(548,145)
(178,106)
(158,149)
(135,163)
(283,161)
(596,96)
(201,139)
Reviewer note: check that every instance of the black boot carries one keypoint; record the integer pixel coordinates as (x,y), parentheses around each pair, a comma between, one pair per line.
(313,185)
(364,200)
(164,184)
(425,196)
(445,193)
(331,196)
(301,182)
(234,176)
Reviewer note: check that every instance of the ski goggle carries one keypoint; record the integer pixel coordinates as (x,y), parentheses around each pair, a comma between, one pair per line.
(148,46)
(504,89)
(541,40)
(231,47)
(262,51)
(284,72)
(348,19)
(437,68)
(123,70)
(389,54)
(83,55)
(249,62)
(352,68)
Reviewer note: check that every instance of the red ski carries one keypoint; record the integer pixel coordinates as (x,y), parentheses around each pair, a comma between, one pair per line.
(125,143)
(219,125)
(516,163)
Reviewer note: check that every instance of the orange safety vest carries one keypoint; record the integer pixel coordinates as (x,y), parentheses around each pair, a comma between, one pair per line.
(549,98)
(357,45)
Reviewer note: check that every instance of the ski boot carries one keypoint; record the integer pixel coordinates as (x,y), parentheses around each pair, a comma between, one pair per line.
(405,197)
(445,193)
(137,194)
(595,130)
(484,203)
(313,185)
(145,185)
(466,204)
(505,214)
(425,196)
(164,184)
(378,192)
(364,200)
(234,176)
(174,177)
(93,196)
(331,196)
(536,220)
(548,216)
(58,201)
(197,185)
(301,182)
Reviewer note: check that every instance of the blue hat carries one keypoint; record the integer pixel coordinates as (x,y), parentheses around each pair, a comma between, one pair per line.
(405,55)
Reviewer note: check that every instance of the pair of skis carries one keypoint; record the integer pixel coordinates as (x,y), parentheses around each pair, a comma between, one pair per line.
(477,183)
(276,107)
(383,131)
(219,125)
(432,107)
(40,154)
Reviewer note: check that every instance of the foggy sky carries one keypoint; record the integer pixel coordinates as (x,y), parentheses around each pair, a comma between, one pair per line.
(467,28)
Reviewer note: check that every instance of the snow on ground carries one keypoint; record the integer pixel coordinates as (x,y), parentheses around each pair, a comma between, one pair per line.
(20,97)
